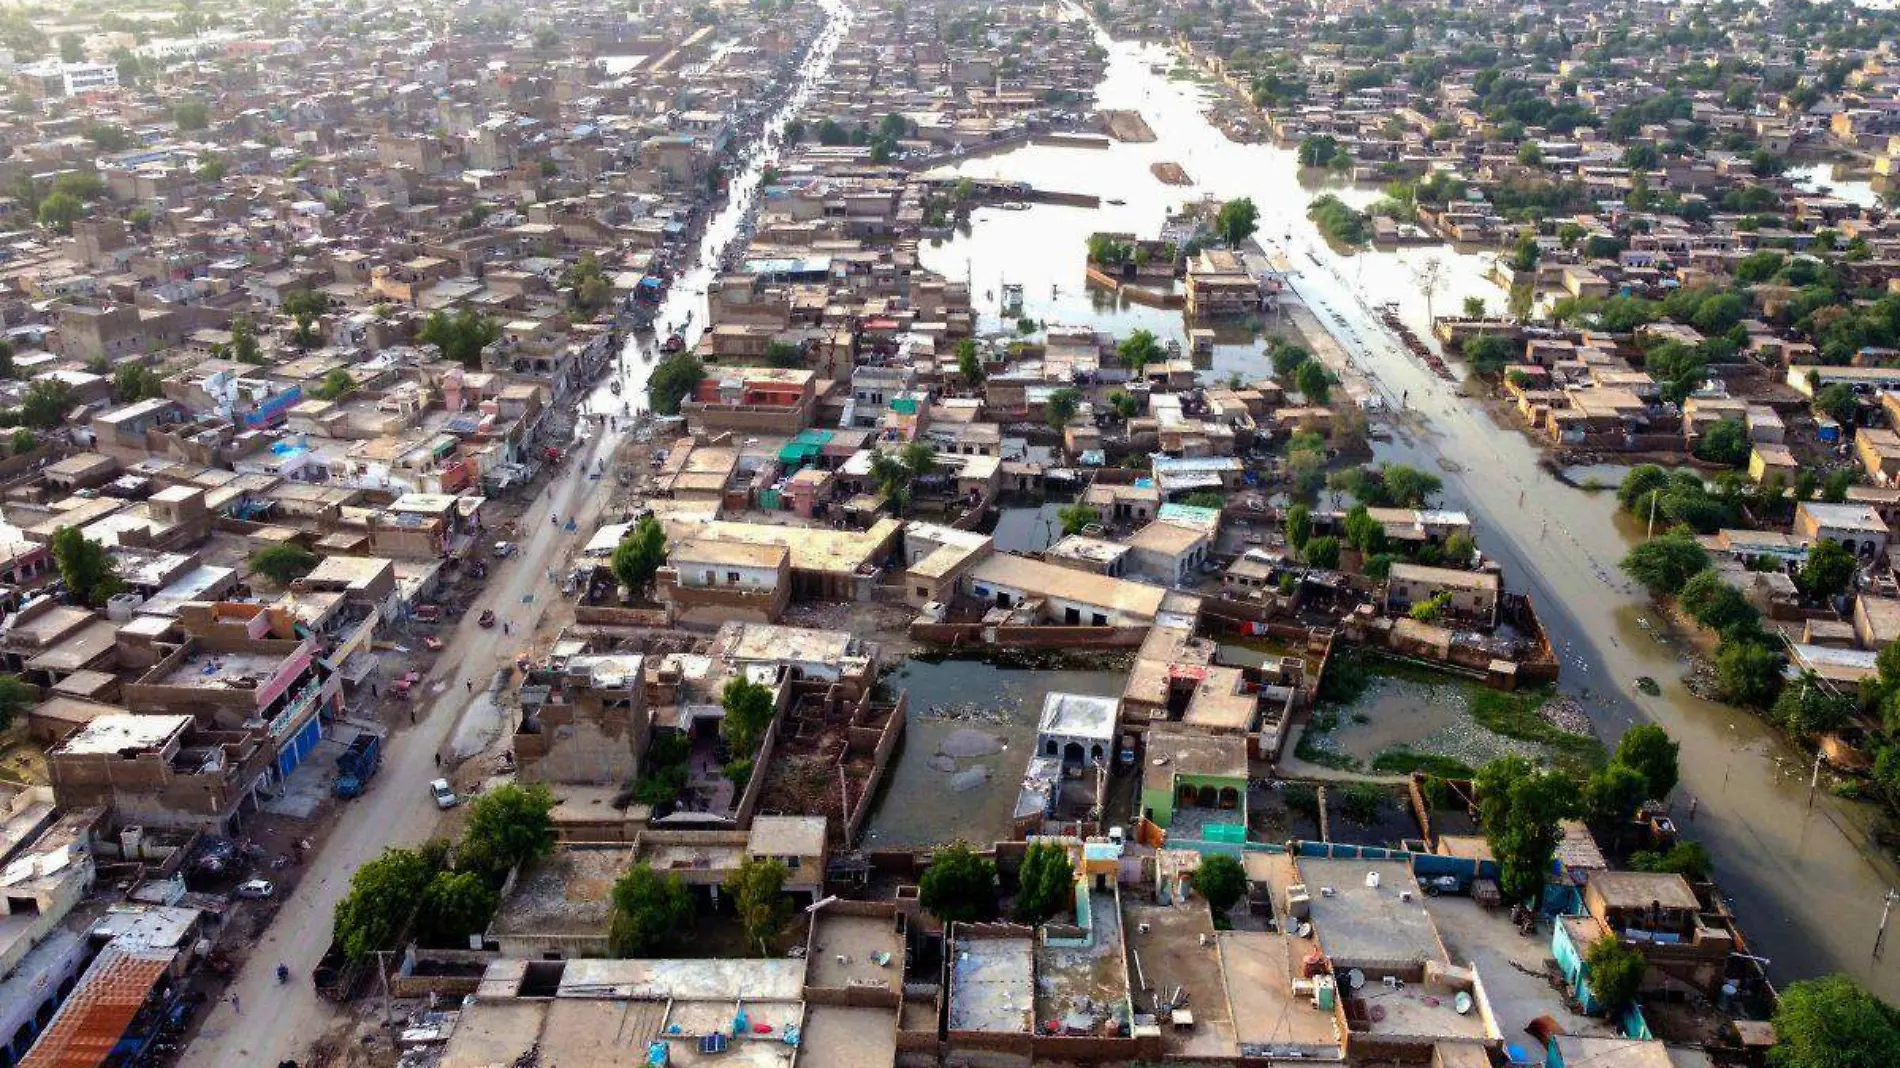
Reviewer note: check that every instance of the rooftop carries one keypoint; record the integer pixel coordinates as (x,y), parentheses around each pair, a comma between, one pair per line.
(117,732)
(1079,715)
(1360,925)
(992,985)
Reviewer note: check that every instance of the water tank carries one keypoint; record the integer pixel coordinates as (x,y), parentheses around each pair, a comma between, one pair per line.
(121,607)
(131,841)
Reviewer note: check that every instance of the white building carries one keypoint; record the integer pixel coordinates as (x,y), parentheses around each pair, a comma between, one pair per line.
(1077,728)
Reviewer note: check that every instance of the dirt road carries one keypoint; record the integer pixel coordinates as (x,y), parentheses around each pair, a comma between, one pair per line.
(278,1022)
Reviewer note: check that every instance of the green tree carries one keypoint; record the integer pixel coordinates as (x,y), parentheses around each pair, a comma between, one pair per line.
(1363,532)
(244,347)
(1710,600)
(749,710)
(959,886)
(16,696)
(134,381)
(455,905)
(1809,706)
(969,363)
(284,563)
(1474,307)
(334,385)
(1237,220)
(1488,354)
(1524,253)
(1124,404)
(758,895)
(1838,402)
(1636,487)
(1748,672)
(1611,797)
(1529,154)
(510,826)
(1139,349)
(59,211)
(1322,552)
(1665,563)
(650,911)
(1409,487)
(23,441)
(461,336)
(89,572)
(1650,751)
(1045,884)
(1725,443)
(1687,859)
(673,380)
(1828,571)
(1520,806)
(1075,517)
(1460,547)
(1615,973)
(1313,382)
(1299,526)
(640,554)
(1060,408)
(191,114)
(384,893)
(1221,880)
(1833,1022)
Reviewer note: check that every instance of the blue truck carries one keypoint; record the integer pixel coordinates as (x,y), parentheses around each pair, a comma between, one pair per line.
(357,765)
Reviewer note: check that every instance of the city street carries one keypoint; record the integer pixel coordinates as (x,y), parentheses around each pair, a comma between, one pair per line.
(278,1022)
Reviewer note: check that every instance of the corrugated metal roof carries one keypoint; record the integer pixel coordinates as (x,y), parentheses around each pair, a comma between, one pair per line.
(100,1009)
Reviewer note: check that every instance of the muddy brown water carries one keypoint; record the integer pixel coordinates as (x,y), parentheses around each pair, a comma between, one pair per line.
(1806,882)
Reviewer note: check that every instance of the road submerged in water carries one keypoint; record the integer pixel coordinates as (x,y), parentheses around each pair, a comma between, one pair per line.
(1806,883)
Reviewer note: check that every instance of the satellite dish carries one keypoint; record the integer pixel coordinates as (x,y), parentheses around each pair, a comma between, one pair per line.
(1462,1003)
(1355,978)
(1305,931)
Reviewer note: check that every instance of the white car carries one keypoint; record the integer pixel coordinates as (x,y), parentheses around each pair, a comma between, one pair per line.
(443,793)
(257,889)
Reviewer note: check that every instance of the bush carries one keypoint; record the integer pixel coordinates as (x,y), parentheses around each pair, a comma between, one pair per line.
(1360,803)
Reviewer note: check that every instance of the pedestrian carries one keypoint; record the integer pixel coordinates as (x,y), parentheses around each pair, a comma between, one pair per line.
(1694,803)
(412,715)
(470,683)
(438,760)
(235,1007)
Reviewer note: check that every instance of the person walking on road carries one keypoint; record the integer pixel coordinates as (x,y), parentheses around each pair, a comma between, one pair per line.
(236,1009)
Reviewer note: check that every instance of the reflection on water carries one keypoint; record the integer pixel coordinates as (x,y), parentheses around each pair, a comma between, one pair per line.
(919,805)
(1819,176)
(1044,248)
(1783,864)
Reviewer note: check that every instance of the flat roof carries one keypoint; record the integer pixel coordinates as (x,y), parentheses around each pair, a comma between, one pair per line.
(1194,753)
(1258,968)
(1079,715)
(1481,581)
(1053,580)
(769,642)
(1365,926)
(787,836)
(719,552)
(1637,889)
(992,984)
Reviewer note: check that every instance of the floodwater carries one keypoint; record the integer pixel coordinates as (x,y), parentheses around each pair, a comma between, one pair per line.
(1806,883)
(1831,178)
(920,805)
(1027,529)
(685,308)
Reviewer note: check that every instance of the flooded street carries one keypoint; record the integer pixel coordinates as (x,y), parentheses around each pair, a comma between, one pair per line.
(684,307)
(955,699)
(1784,864)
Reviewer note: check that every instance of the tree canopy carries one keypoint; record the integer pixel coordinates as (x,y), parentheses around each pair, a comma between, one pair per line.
(673,380)
(89,572)
(461,336)
(1221,880)
(758,895)
(749,711)
(650,911)
(1834,1022)
(283,564)
(1045,884)
(1520,805)
(510,826)
(959,885)
(1237,220)
(639,555)
(384,893)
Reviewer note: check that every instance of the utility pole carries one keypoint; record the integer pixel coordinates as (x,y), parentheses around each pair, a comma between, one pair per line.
(382,971)
(1814,779)
(1654,496)
(1886,910)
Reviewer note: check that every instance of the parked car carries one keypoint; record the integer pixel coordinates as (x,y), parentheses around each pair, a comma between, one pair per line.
(505,549)
(257,889)
(443,794)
